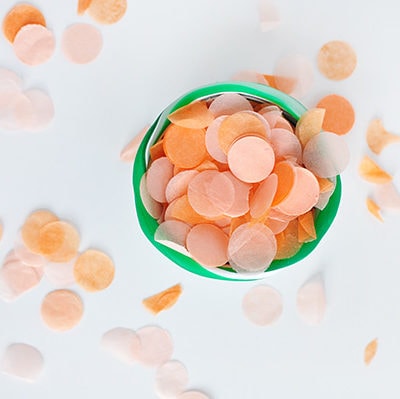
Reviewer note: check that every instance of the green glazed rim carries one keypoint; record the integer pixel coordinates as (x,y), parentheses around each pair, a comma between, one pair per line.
(292,109)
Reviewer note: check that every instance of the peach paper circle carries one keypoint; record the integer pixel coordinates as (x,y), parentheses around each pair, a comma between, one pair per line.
(251,159)
(262,305)
(62,310)
(81,43)
(34,44)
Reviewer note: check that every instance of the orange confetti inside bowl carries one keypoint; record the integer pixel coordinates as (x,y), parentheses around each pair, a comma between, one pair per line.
(285,111)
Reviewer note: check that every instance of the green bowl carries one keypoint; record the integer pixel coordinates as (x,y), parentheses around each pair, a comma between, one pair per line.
(292,110)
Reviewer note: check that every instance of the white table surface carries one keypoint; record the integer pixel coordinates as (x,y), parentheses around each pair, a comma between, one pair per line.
(160,50)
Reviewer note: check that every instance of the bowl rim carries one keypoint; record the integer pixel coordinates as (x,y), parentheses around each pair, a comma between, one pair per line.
(293,108)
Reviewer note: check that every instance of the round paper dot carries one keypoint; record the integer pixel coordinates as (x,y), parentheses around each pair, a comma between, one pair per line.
(34,44)
(118,342)
(158,175)
(229,103)
(251,159)
(107,11)
(154,346)
(262,305)
(337,60)
(20,16)
(23,361)
(252,248)
(81,43)
(171,379)
(193,395)
(94,270)
(42,107)
(326,154)
(208,245)
(61,310)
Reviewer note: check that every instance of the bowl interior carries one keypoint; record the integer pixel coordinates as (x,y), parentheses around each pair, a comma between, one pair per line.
(292,110)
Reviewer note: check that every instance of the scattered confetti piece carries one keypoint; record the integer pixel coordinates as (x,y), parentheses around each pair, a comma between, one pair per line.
(20,16)
(59,241)
(81,43)
(269,15)
(62,310)
(339,114)
(337,60)
(118,343)
(378,138)
(374,209)
(17,278)
(171,379)
(94,270)
(128,153)
(42,109)
(262,305)
(26,256)
(154,346)
(311,301)
(163,300)
(34,44)
(373,173)
(60,274)
(23,361)
(370,351)
(107,11)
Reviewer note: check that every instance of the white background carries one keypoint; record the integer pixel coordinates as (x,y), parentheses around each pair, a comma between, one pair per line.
(160,50)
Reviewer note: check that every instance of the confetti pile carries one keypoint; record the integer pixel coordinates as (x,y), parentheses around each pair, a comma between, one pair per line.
(235,183)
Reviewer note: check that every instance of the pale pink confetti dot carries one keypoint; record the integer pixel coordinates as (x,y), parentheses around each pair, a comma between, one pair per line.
(154,346)
(269,15)
(208,245)
(240,204)
(387,196)
(43,109)
(34,44)
(9,89)
(81,43)
(326,154)
(286,145)
(294,75)
(262,120)
(26,256)
(18,114)
(303,196)
(154,208)
(173,233)
(118,342)
(7,74)
(251,159)
(22,361)
(128,153)
(178,184)
(271,117)
(16,278)
(171,379)
(262,305)
(60,274)
(193,395)
(229,103)
(311,301)
(211,193)
(250,76)
(252,247)
(158,175)
(263,196)
(212,141)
